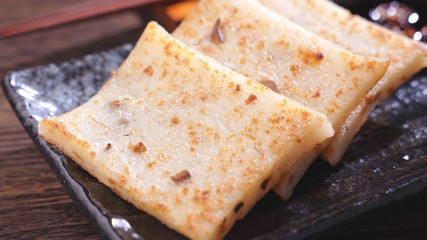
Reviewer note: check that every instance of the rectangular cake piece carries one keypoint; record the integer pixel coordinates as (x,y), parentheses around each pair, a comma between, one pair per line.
(361,36)
(265,46)
(185,138)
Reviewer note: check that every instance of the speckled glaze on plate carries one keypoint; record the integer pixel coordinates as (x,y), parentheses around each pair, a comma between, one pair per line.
(386,161)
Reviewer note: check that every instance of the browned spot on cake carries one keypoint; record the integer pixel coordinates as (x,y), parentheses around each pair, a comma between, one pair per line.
(174,121)
(339,93)
(123,121)
(161,103)
(149,70)
(250,99)
(201,197)
(181,176)
(164,73)
(309,56)
(203,98)
(167,49)
(276,120)
(108,147)
(282,43)
(254,120)
(161,207)
(237,87)
(305,115)
(139,148)
(115,103)
(319,56)
(295,69)
(152,164)
(355,81)
(316,94)
(111,181)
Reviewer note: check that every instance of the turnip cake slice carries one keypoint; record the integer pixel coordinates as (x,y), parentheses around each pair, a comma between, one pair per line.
(265,46)
(361,36)
(185,138)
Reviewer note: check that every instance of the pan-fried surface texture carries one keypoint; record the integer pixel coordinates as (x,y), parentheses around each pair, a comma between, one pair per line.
(352,32)
(267,47)
(263,45)
(185,138)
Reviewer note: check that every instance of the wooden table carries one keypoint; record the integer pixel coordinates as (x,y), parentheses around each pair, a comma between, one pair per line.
(34,205)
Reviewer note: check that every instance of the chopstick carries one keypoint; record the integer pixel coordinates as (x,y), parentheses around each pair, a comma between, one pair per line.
(73,13)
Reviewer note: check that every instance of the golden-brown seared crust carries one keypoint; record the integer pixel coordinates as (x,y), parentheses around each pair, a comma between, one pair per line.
(59,128)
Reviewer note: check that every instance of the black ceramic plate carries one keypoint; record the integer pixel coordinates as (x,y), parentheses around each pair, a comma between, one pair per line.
(387,160)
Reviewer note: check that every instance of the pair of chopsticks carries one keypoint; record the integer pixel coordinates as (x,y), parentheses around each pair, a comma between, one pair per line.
(73,13)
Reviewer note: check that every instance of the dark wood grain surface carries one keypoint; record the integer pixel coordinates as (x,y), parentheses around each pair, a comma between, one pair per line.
(34,205)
